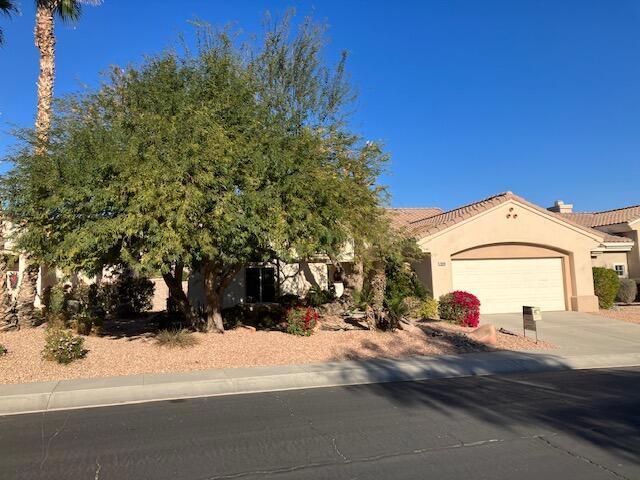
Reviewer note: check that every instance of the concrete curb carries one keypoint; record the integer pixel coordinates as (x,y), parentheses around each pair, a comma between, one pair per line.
(73,394)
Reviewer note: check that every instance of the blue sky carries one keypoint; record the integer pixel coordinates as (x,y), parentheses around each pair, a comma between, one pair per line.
(470,97)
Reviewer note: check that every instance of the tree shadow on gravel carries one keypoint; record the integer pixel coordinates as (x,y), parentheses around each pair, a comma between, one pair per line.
(142,326)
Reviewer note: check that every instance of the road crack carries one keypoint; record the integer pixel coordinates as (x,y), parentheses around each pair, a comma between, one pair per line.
(581,457)
(374,458)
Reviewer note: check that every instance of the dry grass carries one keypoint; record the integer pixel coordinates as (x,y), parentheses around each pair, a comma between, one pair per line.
(126,355)
(630,313)
(176,339)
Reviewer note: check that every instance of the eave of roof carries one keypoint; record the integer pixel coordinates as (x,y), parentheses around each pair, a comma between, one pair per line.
(431,225)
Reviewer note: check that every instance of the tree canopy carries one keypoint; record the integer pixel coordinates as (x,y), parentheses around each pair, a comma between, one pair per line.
(206,160)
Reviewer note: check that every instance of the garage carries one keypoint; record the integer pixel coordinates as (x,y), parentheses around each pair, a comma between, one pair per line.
(505,285)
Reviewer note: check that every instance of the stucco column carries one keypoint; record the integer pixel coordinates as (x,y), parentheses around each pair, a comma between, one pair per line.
(583,299)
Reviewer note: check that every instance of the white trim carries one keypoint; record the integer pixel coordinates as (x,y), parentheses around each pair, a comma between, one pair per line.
(613,247)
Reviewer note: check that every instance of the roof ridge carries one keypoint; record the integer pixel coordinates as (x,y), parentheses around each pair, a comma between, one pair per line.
(507,194)
(609,211)
(413,208)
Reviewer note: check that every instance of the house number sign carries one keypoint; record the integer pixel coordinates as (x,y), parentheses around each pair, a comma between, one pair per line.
(530,317)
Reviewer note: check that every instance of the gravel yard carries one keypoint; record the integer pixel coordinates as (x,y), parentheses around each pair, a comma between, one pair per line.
(627,313)
(241,347)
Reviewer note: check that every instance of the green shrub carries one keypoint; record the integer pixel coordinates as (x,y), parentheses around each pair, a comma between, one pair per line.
(317,296)
(3,350)
(396,310)
(127,297)
(429,309)
(605,285)
(301,321)
(259,316)
(289,300)
(628,290)
(55,298)
(363,298)
(62,346)
(402,282)
(176,338)
(413,305)
(84,323)
(58,321)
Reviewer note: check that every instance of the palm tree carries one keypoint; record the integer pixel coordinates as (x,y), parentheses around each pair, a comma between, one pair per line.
(7,7)
(45,40)
(46,11)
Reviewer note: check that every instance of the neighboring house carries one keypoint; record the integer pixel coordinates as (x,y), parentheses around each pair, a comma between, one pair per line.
(621,222)
(510,252)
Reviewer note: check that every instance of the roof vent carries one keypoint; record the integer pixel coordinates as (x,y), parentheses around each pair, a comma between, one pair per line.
(560,207)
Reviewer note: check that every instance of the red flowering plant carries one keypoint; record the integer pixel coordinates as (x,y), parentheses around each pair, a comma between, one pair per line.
(460,307)
(302,320)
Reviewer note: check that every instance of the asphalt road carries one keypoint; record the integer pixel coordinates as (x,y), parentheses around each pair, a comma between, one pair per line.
(565,425)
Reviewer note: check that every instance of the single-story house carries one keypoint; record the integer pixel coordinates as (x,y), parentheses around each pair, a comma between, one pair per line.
(510,252)
(504,249)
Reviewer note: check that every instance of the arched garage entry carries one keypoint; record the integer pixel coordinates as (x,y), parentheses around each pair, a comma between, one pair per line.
(507,276)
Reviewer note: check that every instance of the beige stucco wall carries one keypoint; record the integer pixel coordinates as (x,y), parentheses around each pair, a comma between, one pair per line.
(513,229)
(294,278)
(609,259)
(634,255)
(632,232)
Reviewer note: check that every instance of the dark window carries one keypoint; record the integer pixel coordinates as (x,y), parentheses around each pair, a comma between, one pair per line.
(260,284)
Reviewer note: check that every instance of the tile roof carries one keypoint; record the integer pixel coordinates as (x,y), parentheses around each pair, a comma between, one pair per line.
(427,226)
(402,217)
(608,217)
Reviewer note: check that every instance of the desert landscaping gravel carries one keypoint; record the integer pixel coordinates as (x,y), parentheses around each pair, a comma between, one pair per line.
(630,313)
(241,347)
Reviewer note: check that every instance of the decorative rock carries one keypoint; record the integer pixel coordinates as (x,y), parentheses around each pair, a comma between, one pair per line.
(485,334)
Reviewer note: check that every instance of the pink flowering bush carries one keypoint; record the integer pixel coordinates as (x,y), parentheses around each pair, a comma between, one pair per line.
(302,320)
(460,307)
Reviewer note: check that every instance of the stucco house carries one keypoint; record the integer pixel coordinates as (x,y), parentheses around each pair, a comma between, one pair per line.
(621,222)
(506,250)
(510,252)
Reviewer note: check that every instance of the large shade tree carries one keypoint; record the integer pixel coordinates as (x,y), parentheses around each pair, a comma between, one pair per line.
(205,161)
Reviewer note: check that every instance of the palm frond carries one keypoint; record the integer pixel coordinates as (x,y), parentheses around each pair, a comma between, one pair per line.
(8,7)
(68,10)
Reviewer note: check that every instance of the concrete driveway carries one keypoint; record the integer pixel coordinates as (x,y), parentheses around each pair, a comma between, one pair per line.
(576,333)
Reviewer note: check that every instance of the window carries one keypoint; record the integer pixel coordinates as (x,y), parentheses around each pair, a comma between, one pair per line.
(620,269)
(260,284)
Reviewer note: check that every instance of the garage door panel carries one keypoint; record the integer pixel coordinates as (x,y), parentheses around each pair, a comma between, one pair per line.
(505,285)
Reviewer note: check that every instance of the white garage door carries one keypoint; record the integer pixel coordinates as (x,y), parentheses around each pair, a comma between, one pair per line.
(505,285)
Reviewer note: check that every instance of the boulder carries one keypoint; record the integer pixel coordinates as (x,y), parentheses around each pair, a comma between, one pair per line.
(486,334)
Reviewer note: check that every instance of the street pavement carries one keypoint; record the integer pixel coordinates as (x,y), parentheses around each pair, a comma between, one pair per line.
(554,425)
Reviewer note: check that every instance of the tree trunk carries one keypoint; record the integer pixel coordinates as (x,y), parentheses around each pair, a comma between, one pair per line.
(216,280)
(27,294)
(355,279)
(213,291)
(177,295)
(45,42)
(378,286)
(6,302)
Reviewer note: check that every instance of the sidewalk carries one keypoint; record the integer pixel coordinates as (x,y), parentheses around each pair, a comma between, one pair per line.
(584,341)
(70,394)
